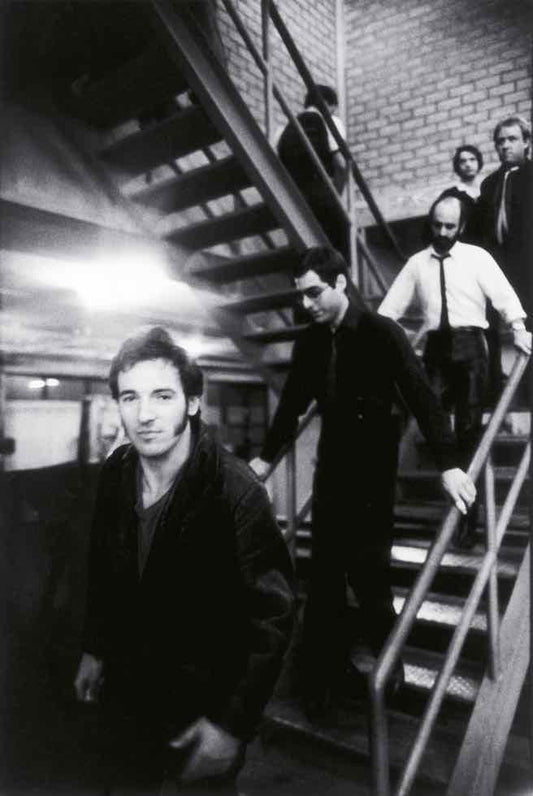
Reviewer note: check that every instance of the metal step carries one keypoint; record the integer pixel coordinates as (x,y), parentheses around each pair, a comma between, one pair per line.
(221,229)
(263,302)
(284,334)
(182,133)
(344,730)
(249,266)
(140,84)
(425,484)
(223,177)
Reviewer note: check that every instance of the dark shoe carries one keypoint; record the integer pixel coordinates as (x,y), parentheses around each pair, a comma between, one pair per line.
(316,701)
(464,538)
(351,684)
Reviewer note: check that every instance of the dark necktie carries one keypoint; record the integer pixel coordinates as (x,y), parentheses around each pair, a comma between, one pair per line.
(444,324)
(502,222)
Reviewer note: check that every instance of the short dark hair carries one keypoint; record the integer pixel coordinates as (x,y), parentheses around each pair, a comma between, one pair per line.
(325,261)
(326,93)
(156,343)
(467,148)
(451,193)
(512,121)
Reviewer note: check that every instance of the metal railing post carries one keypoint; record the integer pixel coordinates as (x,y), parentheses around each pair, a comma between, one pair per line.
(493,620)
(268,83)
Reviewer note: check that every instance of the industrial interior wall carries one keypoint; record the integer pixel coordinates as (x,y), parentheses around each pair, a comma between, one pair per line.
(422,78)
(311,23)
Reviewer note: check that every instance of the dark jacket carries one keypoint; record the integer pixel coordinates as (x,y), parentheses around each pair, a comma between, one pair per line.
(374,363)
(514,255)
(203,631)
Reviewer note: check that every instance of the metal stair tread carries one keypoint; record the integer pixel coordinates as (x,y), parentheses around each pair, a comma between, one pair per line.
(220,178)
(186,131)
(500,472)
(433,511)
(440,609)
(248,265)
(412,557)
(241,223)
(283,334)
(346,731)
(263,301)
(139,84)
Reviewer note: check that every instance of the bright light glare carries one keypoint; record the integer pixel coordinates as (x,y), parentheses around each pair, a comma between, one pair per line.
(122,282)
(38,384)
(194,346)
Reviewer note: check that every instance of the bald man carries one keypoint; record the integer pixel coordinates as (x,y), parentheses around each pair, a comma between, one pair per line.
(452,281)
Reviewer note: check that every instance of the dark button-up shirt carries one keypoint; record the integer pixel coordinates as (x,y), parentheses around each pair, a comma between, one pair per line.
(375,364)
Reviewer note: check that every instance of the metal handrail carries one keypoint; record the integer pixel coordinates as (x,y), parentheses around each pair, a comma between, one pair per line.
(398,636)
(302,425)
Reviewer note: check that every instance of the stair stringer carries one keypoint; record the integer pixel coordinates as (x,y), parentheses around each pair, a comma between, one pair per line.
(481,754)
(230,114)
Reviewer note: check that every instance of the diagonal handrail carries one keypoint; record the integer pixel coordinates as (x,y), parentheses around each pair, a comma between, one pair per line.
(398,636)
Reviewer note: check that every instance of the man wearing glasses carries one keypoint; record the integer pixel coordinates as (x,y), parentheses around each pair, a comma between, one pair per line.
(353,363)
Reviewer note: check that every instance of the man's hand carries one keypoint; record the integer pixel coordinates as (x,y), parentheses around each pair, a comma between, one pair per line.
(522,340)
(89,678)
(460,488)
(259,466)
(214,751)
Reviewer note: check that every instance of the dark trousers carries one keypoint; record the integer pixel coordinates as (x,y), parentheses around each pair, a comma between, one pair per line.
(351,546)
(328,215)
(457,365)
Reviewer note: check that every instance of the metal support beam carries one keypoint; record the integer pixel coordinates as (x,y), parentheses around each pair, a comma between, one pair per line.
(229,112)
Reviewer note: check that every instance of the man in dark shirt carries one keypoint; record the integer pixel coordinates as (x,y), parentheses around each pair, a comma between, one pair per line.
(189,607)
(304,172)
(353,363)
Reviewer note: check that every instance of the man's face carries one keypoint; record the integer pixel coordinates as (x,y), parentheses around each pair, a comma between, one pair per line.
(320,300)
(153,407)
(510,145)
(446,224)
(467,165)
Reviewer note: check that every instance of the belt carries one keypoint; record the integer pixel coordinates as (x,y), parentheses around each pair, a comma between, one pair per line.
(458,330)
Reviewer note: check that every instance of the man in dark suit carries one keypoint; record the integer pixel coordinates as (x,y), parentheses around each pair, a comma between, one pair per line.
(506,206)
(353,363)
(504,214)
(190,603)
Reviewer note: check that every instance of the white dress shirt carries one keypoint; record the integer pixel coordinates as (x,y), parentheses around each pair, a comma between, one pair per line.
(471,276)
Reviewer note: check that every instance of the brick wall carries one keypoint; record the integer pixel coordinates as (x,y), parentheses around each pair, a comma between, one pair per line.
(424,76)
(311,24)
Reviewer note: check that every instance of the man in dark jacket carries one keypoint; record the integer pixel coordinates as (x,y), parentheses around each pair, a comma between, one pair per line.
(190,606)
(503,216)
(506,206)
(352,362)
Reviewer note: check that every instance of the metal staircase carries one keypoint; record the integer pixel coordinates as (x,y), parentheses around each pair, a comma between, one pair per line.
(204,211)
